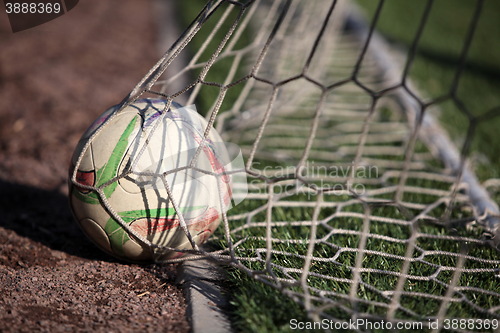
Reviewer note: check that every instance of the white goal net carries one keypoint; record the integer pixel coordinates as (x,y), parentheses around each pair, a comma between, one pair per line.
(359,203)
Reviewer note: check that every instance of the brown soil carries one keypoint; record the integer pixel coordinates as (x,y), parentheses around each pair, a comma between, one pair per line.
(54,80)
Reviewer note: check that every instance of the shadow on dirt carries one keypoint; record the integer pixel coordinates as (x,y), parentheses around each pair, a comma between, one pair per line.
(45,217)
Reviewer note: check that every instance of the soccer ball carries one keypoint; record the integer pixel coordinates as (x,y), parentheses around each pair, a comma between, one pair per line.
(126,165)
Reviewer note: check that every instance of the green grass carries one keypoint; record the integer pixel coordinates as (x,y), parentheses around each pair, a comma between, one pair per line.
(249,298)
(438,55)
(258,307)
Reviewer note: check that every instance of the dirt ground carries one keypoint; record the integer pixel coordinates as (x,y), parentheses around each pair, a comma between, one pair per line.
(54,80)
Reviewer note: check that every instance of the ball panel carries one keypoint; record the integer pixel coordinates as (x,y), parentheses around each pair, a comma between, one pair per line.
(96,233)
(111,144)
(137,252)
(87,162)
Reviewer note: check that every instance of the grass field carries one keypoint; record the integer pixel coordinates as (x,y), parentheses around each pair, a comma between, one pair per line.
(438,55)
(257,307)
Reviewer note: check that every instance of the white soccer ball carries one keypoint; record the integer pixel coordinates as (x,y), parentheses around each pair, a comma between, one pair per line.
(123,167)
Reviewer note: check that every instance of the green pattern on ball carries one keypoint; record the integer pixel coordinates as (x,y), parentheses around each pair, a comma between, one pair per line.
(110,169)
(118,236)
